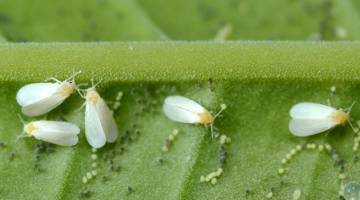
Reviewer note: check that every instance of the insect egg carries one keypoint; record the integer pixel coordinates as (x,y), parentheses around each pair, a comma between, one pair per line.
(297,194)
(84,179)
(269,195)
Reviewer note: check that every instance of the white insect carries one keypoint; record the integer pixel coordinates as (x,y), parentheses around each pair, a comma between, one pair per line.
(312,118)
(56,132)
(100,126)
(40,98)
(182,109)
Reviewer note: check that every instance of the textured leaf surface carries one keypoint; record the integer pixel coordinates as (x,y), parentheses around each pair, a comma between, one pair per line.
(258,81)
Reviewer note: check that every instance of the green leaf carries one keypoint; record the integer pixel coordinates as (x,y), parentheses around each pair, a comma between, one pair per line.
(258,81)
(255,19)
(346,25)
(128,20)
(76,21)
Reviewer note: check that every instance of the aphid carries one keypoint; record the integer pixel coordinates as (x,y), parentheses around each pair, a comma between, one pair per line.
(56,132)
(100,126)
(312,118)
(182,109)
(40,98)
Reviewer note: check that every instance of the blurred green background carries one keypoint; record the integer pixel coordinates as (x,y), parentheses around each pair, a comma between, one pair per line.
(133,20)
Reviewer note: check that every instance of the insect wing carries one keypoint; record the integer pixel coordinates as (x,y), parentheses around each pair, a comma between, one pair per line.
(182,109)
(94,131)
(35,92)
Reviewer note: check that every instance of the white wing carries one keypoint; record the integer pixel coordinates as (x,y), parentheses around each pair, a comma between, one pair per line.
(182,109)
(94,131)
(44,105)
(306,127)
(61,133)
(35,92)
(107,121)
(311,111)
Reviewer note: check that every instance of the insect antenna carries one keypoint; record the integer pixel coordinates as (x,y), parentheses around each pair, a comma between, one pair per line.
(328,101)
(22,134)
(223,107)
(21,119)
(350,108)
(72,77)
(94,85)
(81,91)
(53,79)
(351,125)
(81,107)
(348,113)
(82,94)
(212,131)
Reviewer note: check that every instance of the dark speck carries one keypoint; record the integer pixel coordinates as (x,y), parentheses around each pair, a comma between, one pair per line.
(247,192)
(4,19)
(2,145)
(12,156)
(104,179)
(129,189)
(85,193)
(161,160)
